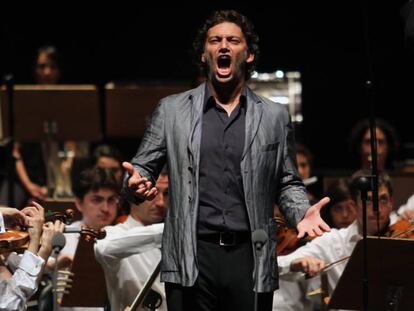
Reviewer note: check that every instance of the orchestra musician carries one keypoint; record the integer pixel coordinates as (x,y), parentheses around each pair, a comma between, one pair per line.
(97,196)
(339,243)
(18,286)
(131,250)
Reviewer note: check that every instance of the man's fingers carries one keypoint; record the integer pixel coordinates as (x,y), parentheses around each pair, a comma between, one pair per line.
(152,193)
(324,227)
(315,266)
(128,167)
(30,211)
(322,203)
(133,173)
(59,226)
(39,207)
(310,233)
(317,231)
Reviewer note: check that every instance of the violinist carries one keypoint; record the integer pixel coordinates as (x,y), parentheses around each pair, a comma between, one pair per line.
(340,211)
(97,196)
(338,244)
(16,288)
(131,250)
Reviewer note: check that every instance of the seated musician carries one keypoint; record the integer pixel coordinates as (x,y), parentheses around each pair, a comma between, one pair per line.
(96,197)
(338,244)
(340,211)
(17,288)
(130,251)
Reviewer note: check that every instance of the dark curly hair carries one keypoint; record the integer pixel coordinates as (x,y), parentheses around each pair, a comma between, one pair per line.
(358,131)
(231,16)
(93,179)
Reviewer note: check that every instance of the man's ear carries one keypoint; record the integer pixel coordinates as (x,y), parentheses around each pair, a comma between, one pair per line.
(203,58)
(250,57)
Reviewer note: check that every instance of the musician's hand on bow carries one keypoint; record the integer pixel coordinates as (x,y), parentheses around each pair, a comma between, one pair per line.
(141,186)
(312,224)
(309,265)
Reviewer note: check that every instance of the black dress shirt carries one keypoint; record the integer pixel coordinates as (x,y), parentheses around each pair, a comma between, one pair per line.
(222,206)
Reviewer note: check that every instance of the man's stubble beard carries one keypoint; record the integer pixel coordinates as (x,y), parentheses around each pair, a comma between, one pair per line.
(236,76)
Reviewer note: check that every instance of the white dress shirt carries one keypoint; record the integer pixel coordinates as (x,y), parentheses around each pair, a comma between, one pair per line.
(292,295)
(15,291)
(330,247)
(128,255)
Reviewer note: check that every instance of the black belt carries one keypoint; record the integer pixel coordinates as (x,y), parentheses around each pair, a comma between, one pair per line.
(228,238)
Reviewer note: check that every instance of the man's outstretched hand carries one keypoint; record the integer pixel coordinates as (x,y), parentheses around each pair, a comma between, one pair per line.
(141,186)
(312,224)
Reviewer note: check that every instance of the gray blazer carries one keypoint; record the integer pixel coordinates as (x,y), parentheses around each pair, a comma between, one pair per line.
(267,167)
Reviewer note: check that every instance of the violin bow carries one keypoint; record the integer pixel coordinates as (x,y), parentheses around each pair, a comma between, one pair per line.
(144,291)
(328,267)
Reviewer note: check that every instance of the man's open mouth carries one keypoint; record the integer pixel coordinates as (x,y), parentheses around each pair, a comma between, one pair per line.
(223,65)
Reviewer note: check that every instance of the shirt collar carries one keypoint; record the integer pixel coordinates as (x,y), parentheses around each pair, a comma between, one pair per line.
(132,222)
(209,99)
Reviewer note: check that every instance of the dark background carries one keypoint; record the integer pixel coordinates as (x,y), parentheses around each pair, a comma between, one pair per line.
(326,42)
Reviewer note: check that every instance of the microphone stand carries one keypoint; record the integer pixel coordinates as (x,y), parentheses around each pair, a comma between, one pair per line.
(364,186)
(256,277)
(369,183)
(259,239)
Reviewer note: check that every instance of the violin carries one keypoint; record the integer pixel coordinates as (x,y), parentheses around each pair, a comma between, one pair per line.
(403,229)
(18,240)
(287,238)
(87,233)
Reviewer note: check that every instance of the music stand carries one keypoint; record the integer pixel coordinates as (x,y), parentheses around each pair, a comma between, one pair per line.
(390,272)
(127,108)
(88,287)
(58,112)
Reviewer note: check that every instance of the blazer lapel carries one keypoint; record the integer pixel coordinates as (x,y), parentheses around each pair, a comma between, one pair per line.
(194,139)
(253,117)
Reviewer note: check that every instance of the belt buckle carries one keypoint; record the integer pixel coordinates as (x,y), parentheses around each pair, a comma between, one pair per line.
(227,239)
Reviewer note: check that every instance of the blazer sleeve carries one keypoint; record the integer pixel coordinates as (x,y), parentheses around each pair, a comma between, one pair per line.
(151,155)
(292,199)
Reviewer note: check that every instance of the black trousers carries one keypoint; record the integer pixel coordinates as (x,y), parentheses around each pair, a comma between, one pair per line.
(225,282)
